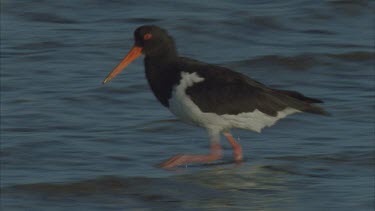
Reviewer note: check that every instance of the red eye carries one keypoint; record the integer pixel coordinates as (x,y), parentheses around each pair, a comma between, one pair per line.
(147,36)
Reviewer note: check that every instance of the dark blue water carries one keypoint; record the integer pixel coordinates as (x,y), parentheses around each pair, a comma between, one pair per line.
(70,143)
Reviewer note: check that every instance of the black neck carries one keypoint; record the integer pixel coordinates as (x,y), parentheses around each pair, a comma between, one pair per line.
(161,72)
(164,58)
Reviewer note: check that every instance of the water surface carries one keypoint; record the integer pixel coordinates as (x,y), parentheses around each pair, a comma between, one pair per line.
(70,143)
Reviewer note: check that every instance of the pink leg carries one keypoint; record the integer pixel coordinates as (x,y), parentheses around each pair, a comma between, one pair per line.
(237,149)
(215,154)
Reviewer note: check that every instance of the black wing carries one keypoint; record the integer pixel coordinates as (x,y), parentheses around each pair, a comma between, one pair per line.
(227,92)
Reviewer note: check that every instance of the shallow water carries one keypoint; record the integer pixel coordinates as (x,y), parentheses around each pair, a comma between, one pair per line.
(68,142)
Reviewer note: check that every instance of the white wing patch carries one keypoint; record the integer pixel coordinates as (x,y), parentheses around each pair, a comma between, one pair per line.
(183,107)
(256,120)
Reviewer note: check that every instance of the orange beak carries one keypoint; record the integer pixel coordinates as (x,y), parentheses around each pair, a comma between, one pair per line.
(134,53)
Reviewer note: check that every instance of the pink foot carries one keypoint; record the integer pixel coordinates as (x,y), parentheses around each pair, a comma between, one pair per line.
(185,159)
(237,149)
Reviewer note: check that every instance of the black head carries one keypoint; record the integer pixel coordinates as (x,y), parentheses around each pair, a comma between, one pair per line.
(154,40)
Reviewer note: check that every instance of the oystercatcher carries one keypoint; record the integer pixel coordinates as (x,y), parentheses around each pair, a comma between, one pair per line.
(209,96)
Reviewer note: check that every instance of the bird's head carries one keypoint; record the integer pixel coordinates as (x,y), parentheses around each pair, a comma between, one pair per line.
(151,41)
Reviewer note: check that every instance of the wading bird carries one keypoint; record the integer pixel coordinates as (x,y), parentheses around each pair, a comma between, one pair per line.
(209,96)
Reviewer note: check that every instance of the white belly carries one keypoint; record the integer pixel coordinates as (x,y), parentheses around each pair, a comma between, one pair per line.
(183,107)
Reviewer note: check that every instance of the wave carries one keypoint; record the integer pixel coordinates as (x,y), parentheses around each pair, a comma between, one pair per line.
(216,186)
(221,172)
(357,158)
(48,18)
(121,189)
(306,61)
(354,56)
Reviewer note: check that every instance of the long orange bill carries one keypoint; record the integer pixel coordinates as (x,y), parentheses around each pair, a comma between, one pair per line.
(134,53)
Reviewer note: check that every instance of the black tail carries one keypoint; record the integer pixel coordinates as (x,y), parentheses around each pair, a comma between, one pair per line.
(298,96)
(307,102)
(315,110)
